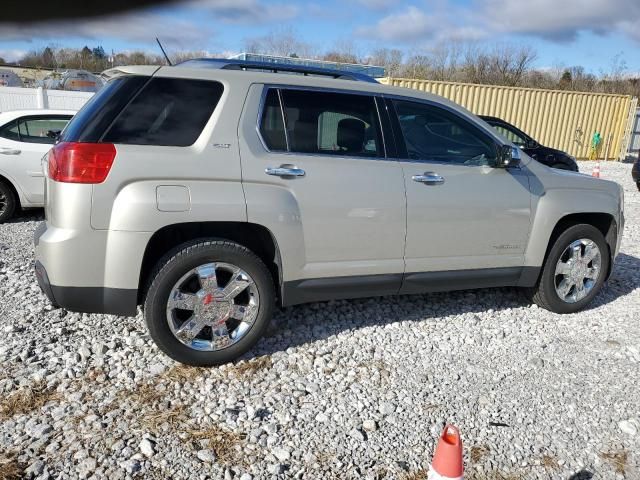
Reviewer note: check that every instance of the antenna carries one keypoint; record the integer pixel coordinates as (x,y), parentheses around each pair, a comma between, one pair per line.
(163,52)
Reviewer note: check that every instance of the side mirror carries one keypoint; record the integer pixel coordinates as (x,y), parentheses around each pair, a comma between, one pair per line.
(531,144)
(508,156)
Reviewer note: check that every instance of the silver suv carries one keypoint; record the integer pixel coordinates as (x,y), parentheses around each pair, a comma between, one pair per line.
(210,193)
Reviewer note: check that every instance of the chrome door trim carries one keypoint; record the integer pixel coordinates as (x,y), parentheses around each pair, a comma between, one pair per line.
(429,178)
(285,171)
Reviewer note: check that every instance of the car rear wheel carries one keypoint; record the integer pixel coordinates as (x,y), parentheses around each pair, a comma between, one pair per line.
(209,302)
(8,202)
(574,271)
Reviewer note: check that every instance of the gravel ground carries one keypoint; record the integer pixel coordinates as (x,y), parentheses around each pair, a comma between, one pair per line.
(347,389)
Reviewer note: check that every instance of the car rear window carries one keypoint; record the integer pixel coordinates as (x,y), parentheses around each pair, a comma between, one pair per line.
(167,111)
(93,119)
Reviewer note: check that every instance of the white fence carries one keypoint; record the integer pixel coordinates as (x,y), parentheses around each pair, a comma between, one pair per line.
(17,98)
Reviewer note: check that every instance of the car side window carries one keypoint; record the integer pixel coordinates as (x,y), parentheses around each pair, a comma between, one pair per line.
(329,123)
(36,130)
(272,123)
(511,135)
(10,131)
(432,133)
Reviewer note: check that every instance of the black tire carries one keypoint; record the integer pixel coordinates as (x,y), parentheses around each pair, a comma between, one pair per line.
(8,202)
(544,293)
(181,260)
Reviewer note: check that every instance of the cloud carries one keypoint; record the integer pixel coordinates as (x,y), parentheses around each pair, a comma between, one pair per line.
(408,25)
(377,4)
(562,21)
(246,11)
(12,54)
(194,27)
(553,20)
(135,27)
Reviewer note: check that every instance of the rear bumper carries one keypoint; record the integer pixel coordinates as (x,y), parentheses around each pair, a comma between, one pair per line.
(114,301)
(74,271)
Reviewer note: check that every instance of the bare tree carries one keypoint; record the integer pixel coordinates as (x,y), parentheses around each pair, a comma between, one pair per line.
(284,42)
(390,59)
(510,63)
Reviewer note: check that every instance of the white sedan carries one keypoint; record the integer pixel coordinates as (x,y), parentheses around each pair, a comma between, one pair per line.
(25,136)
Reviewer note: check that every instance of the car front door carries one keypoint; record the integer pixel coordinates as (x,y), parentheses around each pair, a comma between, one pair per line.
(467,221)
(23,142)
(315,172)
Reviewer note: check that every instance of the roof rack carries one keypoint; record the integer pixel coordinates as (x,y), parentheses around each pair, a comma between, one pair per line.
(235,64)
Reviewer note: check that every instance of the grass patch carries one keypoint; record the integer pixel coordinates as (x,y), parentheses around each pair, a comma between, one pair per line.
(495,476)
(477,452)
(252,366)
(10,468)
(550,463)
(27,399)
(172,417)
(183,373)
(145,393)
(417,475)
(618,459)
(222,442)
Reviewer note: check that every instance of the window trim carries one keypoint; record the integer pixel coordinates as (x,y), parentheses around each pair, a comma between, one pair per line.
(18,120)
(402,146)
(279,87)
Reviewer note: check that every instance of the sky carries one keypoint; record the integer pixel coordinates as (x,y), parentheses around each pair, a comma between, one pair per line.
(590,33)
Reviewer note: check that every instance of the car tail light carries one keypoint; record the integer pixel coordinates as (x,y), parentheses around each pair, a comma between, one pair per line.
(73,162)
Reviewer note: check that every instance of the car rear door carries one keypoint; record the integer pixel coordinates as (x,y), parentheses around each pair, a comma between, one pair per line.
(467,222)
(24,142)
(316,173)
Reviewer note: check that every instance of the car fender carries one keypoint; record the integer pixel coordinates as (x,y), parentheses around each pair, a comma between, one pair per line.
(554,205)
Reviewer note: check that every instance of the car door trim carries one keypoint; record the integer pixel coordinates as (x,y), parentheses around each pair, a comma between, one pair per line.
(336,288)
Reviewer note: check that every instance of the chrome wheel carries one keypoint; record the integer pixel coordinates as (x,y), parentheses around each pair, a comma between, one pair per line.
(212,306)
(578,270)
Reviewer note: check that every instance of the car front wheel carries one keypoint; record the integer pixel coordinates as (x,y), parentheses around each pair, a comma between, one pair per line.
(574,271)
(209,302)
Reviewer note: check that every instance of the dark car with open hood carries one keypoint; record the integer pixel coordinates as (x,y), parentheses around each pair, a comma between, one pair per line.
(547,155)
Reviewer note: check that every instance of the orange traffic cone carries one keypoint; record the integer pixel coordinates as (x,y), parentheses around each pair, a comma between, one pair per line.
(596,170)
(447,460)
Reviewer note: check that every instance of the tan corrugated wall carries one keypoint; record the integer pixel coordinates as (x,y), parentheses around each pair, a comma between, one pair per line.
(553,117)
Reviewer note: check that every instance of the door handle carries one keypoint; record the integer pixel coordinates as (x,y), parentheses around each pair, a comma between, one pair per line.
(9,151)
(429,178)
(285,171)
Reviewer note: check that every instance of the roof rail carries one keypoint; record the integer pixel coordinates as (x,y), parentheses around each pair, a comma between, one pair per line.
(235,64)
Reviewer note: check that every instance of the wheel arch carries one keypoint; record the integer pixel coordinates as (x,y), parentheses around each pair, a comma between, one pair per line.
(255,237)
(7,181)
(604,222)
